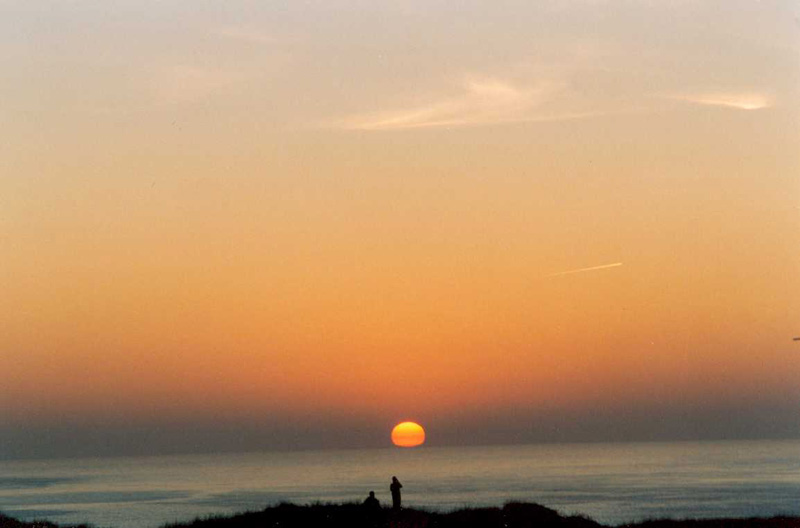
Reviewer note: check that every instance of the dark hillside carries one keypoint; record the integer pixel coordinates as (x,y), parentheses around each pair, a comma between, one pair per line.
(352,515)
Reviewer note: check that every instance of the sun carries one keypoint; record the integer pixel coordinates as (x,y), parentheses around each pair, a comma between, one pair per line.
(408,434)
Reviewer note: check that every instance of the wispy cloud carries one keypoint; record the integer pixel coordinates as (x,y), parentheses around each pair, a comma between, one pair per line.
(482,101)
(244,34)
(739,101)
(582,270)
(187,84)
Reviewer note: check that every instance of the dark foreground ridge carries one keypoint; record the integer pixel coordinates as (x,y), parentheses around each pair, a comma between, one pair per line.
(511,515)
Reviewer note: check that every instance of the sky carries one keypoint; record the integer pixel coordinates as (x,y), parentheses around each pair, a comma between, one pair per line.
(258,225)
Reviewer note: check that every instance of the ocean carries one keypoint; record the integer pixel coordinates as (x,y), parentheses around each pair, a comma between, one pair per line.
(612,483)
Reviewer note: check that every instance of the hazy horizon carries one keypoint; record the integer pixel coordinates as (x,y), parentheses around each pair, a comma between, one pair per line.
(186,436)
(263,225)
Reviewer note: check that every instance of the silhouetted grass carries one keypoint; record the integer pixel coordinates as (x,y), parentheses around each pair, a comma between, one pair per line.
(353,515)
(10,522)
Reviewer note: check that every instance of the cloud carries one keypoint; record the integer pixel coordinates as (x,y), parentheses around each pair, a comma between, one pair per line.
(481,101)
(187,84)
(244,34)
(582,270)
(739,101)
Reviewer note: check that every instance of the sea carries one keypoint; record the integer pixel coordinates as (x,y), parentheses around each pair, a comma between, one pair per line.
(611,483)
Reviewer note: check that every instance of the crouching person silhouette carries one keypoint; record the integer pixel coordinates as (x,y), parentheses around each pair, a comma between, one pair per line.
(372,509)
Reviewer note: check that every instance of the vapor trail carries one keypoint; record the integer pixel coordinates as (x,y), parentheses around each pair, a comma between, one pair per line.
(604,266)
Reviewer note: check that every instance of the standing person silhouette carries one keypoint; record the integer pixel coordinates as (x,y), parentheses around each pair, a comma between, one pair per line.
(395,489)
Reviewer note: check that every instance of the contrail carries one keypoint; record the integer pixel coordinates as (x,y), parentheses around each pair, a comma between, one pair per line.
(604,266)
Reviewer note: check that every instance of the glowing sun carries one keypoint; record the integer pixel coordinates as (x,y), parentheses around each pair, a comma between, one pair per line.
(408,434)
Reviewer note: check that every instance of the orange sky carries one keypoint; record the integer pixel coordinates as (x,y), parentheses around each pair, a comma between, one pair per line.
(363,209)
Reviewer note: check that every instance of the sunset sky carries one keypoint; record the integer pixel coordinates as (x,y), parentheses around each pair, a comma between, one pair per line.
(271,224)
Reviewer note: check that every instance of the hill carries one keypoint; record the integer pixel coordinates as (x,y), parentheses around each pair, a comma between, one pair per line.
(352,515)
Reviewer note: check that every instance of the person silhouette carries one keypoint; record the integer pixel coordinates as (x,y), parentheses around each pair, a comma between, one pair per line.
(372,504)
(372,509)
(395,489)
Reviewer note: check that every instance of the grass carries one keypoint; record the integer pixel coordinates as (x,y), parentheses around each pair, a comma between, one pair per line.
(353,515)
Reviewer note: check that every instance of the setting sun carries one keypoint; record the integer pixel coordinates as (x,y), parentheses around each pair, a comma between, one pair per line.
(408,434)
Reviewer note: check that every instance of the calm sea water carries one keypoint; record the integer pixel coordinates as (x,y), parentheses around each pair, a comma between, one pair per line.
(612,483)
